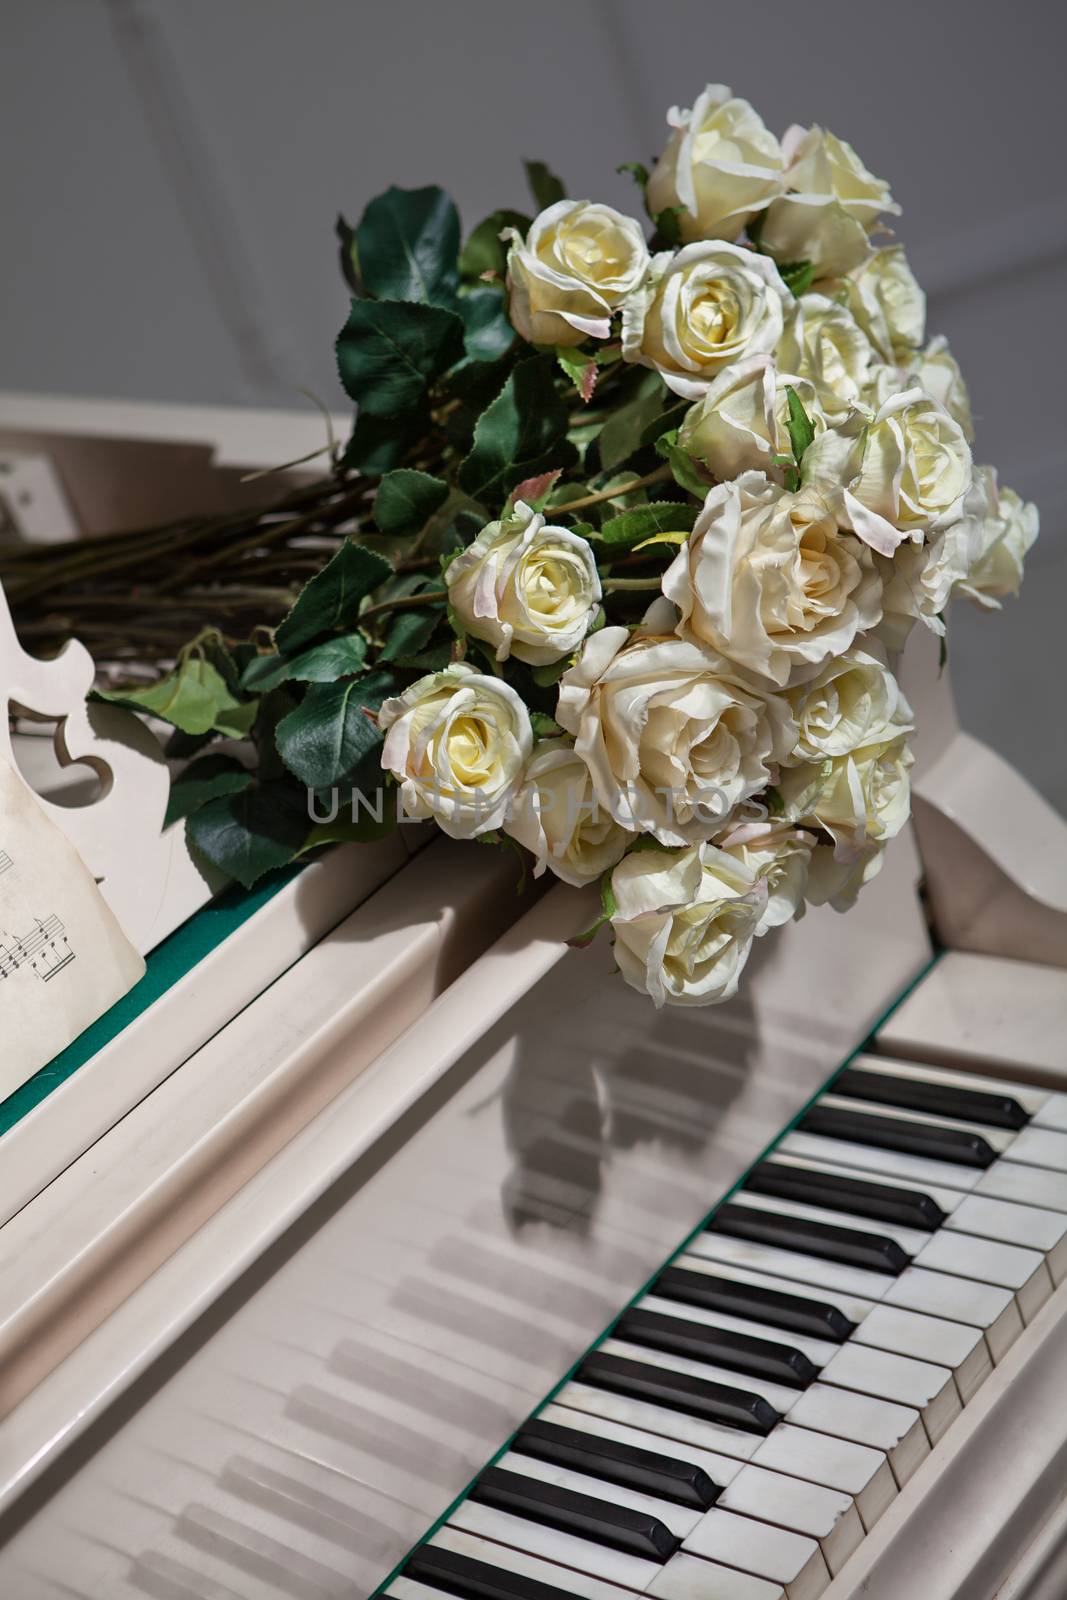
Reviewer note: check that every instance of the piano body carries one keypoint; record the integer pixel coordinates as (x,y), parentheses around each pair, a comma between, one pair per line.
(396,1247)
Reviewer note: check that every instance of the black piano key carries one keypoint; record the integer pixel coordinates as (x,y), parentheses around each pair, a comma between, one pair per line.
(883,1202)
(760,1358)
(847,1246)
(638,1533)
(897,1133)
(678,1391)
(792,1313)
(938,1099)
(469,1579)
(683,1482)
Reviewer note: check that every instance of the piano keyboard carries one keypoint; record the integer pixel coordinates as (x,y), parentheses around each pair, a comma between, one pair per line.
(751,1415)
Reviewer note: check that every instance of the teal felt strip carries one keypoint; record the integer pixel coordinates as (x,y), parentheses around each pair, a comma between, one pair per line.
(166,964)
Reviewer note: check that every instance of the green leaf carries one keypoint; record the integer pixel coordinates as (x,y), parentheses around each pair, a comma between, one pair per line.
(754,229)
(942,647)
(202,781)
(332,597)
(625,430)
(378,444)
(668,224)
(683,467)
(406,498)
(581,369)
(194,697)
(774,801)
(389,352)
(488,334)
(544,726)
(485,250)
(410,631)
(408,244)
(348,254)
(638,172)
(521,433)
(330,732)
(633,527)
(798,424)
(545,187)
(344,830)
(546,676)
(322,663)
(248,834)
(797,276)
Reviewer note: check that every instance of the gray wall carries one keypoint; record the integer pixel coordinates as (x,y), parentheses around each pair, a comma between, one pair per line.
(173,169)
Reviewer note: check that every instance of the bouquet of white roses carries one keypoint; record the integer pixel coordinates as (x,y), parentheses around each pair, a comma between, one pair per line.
(649,516)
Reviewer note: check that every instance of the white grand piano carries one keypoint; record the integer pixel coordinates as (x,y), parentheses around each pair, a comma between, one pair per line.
(394,1247)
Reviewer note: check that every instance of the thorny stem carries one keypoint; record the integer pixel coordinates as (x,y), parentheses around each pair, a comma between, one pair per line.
(580,504)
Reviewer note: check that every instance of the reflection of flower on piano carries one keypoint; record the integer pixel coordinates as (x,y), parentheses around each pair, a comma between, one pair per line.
(650,508)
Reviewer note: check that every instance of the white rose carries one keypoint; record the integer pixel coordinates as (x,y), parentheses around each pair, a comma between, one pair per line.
(854,701)
(684,923)
(779,855)
(825,344)
(721,164)
(526,587)
(921,579)
(701,309)
(769,581)
(457,742)
(1007,534)
(859,799)
(936,370)
(671,743)
(558,818)
(832,205)
(898,474)
(577,264)
(740,424)
(836,881)
(888,304)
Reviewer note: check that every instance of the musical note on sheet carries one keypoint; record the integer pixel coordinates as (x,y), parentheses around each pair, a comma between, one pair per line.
(63,958)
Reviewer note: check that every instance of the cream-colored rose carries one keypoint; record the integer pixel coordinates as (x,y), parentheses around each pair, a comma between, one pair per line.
(854,701)
(572,272)
(920,579)
(888,304)
(529,589)
(721,165)
(937,371)
(768,580)
(684,923)
(1007,534)
(457,742)
(835,880)
(898,474)
(832,204)
(701,309)
(858,799)
(825,344)
(558,818)
(741,423)
(672,744)
(779,855)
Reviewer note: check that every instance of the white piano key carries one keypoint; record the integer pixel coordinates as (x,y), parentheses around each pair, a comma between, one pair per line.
(851,1469)
(788,1559)
(1053,1114)
(907,1333)
(854,1307)
(681,1520)
(998,1139)
(923,1385)
(1034,1227)
(985,1261)
(691,1578)
(826,1515)
(818,1351)
(813,1271)
(911,1240)
(1033,1186)
(891,1164)
(566,1549)
(880,1424)
(580,1584)
(1040,1147)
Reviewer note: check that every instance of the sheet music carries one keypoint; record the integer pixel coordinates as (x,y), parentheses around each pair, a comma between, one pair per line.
(63,957)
